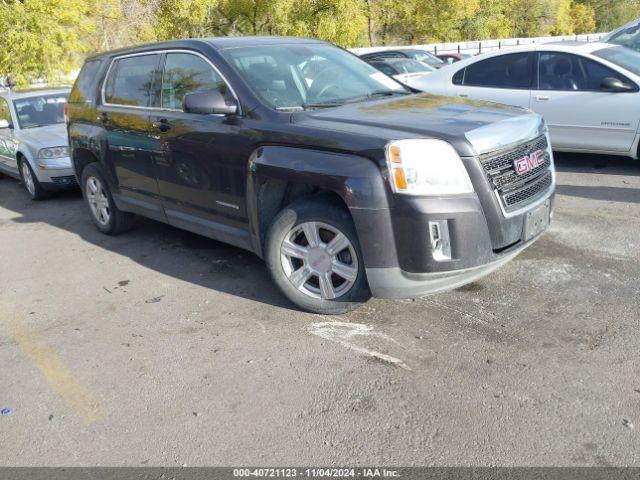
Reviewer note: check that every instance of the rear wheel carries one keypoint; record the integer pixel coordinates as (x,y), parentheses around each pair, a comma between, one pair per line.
(104,212)
(30,181)
(314,257)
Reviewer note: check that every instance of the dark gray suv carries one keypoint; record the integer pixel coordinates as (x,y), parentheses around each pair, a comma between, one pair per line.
(347,183)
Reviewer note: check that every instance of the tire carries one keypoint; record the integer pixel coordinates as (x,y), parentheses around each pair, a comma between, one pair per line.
(291,257)
(30,181)
(103,211)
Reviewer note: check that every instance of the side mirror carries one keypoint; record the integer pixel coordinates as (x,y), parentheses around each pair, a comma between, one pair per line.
(612,84)
(207,102)
(4,123)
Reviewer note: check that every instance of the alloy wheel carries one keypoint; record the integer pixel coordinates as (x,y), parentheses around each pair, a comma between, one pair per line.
(28,178)
(319,260)
(98,201)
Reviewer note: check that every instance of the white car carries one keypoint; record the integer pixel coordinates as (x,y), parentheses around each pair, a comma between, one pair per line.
(33,140)
(588,93)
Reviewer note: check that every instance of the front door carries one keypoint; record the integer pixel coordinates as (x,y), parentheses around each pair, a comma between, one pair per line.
(203,161)
(129,93)
(579,114)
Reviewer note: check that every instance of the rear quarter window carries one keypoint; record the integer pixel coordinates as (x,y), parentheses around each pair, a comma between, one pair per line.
(85,86)
(458,77)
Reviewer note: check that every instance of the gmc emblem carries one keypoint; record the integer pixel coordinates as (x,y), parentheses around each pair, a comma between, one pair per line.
(529,162)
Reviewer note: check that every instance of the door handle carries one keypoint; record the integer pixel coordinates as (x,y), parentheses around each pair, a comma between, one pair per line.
(463,95)
(103,118)
(163,125)
(542,98)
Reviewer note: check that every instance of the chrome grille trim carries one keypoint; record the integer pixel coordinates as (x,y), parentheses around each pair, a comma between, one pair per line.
(515,192)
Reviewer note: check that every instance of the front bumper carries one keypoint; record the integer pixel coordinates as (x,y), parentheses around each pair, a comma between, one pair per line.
(398,254)
(55,173)
(393,282)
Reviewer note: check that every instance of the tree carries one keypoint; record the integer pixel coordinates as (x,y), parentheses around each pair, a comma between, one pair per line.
(583,18)
(42,38)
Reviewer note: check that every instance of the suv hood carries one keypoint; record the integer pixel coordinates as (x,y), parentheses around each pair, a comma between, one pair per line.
(472,127)
(43,137)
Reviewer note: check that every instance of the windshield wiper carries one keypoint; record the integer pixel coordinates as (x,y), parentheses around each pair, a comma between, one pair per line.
(307,106)
(378,93)
(322,105)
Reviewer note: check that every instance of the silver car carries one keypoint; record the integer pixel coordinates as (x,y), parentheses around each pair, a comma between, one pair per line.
(33,140)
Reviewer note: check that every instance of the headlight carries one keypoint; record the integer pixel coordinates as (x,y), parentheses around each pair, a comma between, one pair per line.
(53,152)
(426,167)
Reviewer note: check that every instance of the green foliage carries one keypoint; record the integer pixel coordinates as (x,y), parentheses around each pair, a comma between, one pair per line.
(42,38)
(47,38)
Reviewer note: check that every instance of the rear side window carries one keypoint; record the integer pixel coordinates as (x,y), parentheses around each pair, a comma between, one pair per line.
(504,71)
(187,73)
(84,87)
(131,81)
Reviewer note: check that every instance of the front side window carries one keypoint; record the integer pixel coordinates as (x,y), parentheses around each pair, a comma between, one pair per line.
(503,71)
(187,73)
(40,110)
(564,71)
(281,77)
(130,81)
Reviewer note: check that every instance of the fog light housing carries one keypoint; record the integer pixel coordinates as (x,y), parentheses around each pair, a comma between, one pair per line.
(440,242)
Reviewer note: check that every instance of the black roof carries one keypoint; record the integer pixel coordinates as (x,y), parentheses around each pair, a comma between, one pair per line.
(219,43)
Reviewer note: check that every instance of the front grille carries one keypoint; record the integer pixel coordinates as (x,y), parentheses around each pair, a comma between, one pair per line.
(66,180)
(532,190)
(517,191)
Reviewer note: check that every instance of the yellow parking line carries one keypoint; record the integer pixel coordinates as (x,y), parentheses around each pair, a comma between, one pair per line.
(54,370)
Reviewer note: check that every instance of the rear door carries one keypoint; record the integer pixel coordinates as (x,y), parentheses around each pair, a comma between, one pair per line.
(503,79)
(579,114)
(129,93)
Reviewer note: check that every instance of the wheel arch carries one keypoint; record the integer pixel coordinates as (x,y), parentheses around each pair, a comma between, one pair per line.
(279,176)
(81,157)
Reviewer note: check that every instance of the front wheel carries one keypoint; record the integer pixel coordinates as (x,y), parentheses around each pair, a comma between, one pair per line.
(30,181)
(314,257)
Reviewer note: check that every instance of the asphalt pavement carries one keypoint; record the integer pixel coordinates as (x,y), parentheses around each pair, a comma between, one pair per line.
(160,347)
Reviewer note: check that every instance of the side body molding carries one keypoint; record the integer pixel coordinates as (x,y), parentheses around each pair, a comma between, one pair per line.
(357,180)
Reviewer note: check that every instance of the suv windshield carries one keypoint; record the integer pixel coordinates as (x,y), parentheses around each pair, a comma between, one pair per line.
(309,76)
(41,110)
(622,56)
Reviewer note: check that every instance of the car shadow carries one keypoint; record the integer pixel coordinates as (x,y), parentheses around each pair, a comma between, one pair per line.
(154,245)
(598,164)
